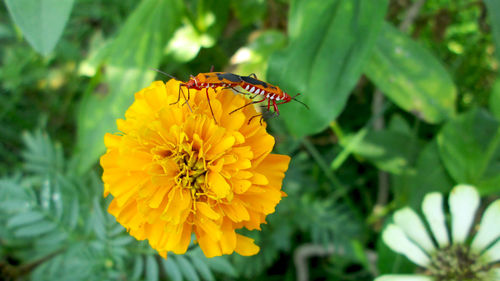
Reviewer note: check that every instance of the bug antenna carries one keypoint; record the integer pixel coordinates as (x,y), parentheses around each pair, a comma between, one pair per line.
(164,73)
(300,102)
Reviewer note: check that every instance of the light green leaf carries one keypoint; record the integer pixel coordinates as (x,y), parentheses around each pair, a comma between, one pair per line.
(411,76)
(222,265)
(187,269)
(152,270)
(329,43)
(138,268)
(172,269)
(469,147)
(137,48)
(35,229)
(200,265)
(254,57)
(24,218)
(41,21)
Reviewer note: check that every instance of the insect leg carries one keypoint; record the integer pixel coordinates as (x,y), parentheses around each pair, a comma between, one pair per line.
(253,75)
(210,105)
(253,102)
(251,118)
(276,108)
(178,96)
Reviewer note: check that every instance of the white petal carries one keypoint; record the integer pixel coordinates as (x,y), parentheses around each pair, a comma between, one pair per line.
(489,228)
(396,239)
(493,253)
(432,207)
(464,200)
(401,277)
(414,228)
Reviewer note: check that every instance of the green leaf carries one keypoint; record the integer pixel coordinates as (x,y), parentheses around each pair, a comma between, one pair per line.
(222,265)
(329,43)
(137,48)
(24,218)
(138,268)
(493,7)
(390,151)
(254,57)
(152,270)
(187,269)
(249,11)
(172,269)
(495,99)
(41,21)
(411,76)
(429,175)
(469,146)
(35,229)
(200,265)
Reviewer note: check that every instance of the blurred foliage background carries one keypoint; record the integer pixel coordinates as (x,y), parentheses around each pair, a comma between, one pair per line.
(404,99)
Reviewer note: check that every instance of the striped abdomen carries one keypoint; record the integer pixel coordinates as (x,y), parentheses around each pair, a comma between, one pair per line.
(270,92)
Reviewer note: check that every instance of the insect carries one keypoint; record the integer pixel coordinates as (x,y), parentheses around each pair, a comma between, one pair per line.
(205,81)
(272,93)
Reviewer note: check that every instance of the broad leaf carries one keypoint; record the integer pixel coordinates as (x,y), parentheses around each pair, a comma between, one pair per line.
(470,149)
(494,17)
(329,43)
(137,48)
(411,76)
(429,175)
(41,21)
(495,99)
(390,151)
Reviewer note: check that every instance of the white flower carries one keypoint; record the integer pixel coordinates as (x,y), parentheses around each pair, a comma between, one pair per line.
(446,256)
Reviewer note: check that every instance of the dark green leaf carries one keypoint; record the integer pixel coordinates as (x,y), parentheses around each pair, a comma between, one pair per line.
(430,175)
(249,11)
(152,270)
(329,43)
(137,48)
(42,21)
(469,146)
(411,76)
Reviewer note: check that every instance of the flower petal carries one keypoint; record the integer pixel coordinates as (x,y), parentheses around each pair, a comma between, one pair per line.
(493,253)
(218,184)
(432,207)
(396,239)
(464,201)
(489,228)
(401,277)
(245,246)
(414,228)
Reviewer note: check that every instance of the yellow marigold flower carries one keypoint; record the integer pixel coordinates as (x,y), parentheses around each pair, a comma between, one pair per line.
(173,172)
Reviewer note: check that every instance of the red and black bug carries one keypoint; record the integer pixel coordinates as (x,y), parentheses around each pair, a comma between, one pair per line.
(273,94)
